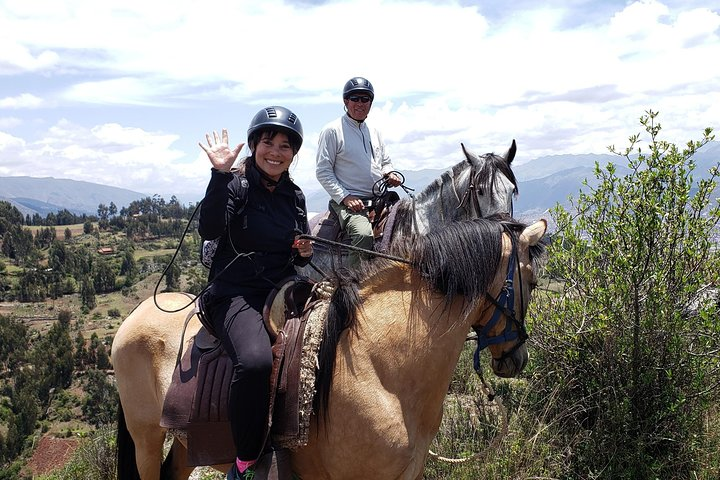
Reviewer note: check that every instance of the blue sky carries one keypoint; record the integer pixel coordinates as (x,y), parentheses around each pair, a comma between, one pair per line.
(120,92)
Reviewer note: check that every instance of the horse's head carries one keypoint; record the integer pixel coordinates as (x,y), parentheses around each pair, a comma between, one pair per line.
(488,183)
(501,327)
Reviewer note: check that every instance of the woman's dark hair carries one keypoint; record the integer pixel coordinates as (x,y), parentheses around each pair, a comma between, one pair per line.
(258,134)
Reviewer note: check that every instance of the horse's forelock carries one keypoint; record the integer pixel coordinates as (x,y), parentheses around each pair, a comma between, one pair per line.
(489,167)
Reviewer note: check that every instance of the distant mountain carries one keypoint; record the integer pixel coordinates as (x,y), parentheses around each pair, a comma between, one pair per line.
(547,181)
(552,164)
(538,195)
(543,182)
(49,195)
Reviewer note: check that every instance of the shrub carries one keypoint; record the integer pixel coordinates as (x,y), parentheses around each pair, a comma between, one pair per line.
(625,363)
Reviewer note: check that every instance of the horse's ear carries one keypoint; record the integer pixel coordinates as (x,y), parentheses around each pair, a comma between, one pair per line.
(471,157)
(534,232)
(510,155)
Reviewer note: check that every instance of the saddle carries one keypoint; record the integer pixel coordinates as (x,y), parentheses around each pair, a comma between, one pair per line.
(382,217)
(197,399)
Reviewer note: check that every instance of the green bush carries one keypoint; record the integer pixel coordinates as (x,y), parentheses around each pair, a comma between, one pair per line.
(626,356)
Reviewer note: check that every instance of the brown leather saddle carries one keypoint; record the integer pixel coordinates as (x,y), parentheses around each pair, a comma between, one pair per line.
(326,225)
(197,399)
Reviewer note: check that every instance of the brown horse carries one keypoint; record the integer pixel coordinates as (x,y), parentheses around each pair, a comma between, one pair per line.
(394,332)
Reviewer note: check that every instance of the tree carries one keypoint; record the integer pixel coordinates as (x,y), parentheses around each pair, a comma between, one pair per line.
(58,257)
(102,359)
(93,349)
(82,262)
(87,293)
(32,286)
(68,234)
(81,352)
(10,213)
(103,211)
(101,399)
(129,265)
(172,277)
(627,353)
(52,357)
(104,277)
(18,244)
(45,236)
(13,343)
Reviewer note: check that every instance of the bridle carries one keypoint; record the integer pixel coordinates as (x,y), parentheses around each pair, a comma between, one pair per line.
(474,191)
(504,306)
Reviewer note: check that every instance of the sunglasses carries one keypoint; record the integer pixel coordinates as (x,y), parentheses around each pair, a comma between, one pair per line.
(358,98)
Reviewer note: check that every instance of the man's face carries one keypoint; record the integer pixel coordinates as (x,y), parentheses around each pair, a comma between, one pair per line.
(358,105)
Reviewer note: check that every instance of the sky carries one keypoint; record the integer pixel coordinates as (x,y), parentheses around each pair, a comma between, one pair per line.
(120,92)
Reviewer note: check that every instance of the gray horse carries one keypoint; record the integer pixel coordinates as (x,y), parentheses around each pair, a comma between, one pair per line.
(479,186)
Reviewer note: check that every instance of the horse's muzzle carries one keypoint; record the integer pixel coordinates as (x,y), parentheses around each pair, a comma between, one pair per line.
(511,365)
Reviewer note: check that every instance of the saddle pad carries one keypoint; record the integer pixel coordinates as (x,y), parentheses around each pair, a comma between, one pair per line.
(199,408)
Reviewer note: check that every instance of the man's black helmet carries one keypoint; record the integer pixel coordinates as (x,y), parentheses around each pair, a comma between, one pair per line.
(358,85)
(280,118)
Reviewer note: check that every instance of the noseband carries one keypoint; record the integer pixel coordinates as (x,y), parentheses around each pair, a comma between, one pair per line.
(504,306)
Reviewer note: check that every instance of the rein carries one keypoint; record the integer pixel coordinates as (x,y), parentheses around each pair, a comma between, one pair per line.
(351,247)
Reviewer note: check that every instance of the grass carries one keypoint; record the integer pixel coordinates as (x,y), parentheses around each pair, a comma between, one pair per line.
(76,229)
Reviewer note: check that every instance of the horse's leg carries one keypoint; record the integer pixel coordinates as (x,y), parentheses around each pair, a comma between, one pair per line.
(149,441)
(175,465)
(139,397)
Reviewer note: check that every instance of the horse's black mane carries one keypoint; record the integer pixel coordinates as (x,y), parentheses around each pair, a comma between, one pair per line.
(486,166)
(461,258)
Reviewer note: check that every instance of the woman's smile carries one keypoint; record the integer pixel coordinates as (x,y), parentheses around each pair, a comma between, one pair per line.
(274,154)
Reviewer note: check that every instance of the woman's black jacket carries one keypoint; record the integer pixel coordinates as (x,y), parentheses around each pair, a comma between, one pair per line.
(256,223)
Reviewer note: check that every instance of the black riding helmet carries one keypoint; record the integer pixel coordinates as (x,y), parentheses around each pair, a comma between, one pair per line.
(279,118)
(358,85)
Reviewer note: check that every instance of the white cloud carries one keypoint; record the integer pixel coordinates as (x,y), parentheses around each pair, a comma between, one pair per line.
(140,81)
(109,154)
(8,142)
(25,100)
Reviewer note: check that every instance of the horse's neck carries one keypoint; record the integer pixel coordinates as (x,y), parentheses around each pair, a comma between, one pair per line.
(408,335)
(437,204)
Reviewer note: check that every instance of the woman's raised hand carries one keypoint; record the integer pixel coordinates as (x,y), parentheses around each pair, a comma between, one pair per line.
(219,152)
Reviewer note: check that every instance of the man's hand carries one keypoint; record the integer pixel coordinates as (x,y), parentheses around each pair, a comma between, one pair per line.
(392,179)
(353,203)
